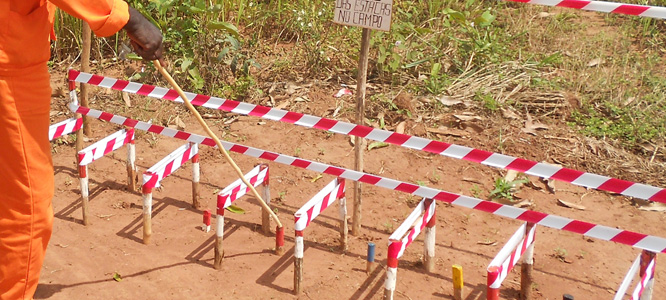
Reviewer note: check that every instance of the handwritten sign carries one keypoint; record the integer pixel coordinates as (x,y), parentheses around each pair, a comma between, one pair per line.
(372,14)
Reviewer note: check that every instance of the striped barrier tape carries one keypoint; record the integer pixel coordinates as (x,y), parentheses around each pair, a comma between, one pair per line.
(105,146)
(657,12)
(509,256)
(638,240)
(640,287)
(238,189)
(398,243)
(497,160)
(317,204)
(169,164)
(65,127)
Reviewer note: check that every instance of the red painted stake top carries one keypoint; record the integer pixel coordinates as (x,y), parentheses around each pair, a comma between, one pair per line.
(206,217)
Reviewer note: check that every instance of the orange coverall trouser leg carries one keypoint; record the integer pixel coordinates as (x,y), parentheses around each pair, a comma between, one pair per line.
(26,180)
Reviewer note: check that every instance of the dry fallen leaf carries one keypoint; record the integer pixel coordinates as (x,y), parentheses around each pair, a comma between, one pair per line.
(570,205)
(511,175)
(291,88)
(487,243)
(653,208)
(509,114)
(467,117)
(448,101)
(594,62)
(531,127)
(126,99)
(447,131)
(282,104)
(523,204)
(400,128)
(179,123)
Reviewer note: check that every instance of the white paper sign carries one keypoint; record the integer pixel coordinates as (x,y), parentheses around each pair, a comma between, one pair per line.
(373,14)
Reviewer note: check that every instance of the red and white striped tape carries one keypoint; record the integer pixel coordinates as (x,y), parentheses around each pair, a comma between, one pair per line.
(497,160)
(638,240)
(398,243)
(317,204)
(65,127)
(640,287)
(169,164)
(238,189)
(510,254)
(604,6)
(105,146)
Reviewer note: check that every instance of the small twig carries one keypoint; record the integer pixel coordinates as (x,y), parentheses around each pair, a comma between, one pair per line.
(656,149)
(403,294)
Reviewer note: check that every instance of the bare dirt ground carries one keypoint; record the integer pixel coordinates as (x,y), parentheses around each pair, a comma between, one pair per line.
(81,260)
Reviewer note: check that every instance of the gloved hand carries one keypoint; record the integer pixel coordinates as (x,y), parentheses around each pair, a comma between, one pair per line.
(145,37)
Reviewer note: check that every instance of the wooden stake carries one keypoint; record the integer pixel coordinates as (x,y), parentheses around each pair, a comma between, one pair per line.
(343,223)
(131,166)
(196,174)
(279,240)
(457,282)
(83,175)
(79,136)
(429,243)
(492,293)
(526,268)
(147,215)
(360,116)
(370,258)
(390,282)
(84,185)
(85,67)
(298,262)
(219,232)
(212,135)
(265,216)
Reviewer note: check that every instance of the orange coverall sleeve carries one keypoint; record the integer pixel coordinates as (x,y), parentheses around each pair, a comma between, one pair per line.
(105,17)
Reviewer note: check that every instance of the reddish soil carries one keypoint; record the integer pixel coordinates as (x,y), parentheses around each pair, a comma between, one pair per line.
(81,260)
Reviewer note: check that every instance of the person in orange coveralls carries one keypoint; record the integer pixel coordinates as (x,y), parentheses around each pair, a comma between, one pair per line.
(26,168)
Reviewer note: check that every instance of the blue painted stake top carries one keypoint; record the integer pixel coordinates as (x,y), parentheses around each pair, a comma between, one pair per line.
(371,252)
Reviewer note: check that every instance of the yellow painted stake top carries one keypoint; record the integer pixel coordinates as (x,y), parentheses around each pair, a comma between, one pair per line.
(457,277)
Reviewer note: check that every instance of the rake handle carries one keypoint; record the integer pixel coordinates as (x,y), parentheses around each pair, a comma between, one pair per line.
(212,135)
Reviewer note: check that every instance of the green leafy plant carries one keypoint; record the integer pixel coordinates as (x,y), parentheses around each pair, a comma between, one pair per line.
(504,189)
(476,191)
(560,253)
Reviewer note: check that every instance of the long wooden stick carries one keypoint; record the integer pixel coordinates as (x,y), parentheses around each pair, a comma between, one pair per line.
(85,67)
(217,140)
(360,116)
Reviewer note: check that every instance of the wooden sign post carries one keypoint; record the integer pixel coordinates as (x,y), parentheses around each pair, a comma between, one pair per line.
(369,14)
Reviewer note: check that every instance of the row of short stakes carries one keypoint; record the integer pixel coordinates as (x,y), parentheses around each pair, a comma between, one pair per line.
(422,217)
(520,246)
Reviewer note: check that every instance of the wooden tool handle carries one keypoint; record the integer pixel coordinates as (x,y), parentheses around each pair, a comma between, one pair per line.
(214,137)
